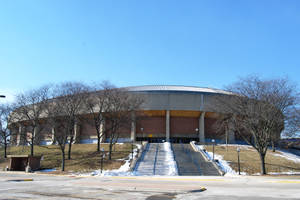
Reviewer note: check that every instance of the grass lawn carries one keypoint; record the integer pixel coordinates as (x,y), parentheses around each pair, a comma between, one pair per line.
(84,157)
(250,161)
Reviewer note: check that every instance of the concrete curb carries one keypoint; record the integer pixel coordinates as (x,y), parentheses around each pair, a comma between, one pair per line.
(206,158)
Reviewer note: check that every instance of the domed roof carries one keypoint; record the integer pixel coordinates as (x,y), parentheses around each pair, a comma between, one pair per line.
(175,88)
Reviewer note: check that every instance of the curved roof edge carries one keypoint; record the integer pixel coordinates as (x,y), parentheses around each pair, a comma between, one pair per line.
(175,88)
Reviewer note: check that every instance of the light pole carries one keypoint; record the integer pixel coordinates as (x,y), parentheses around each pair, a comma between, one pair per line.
(197,133)
(239,166)
(213,141)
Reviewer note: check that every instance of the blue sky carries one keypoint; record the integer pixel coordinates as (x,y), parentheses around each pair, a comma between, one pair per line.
(200,43)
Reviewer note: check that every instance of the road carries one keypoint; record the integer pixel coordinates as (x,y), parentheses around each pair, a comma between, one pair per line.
(20,186)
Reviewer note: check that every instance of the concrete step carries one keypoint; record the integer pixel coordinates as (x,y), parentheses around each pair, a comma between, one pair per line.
(191,163)
(152,161)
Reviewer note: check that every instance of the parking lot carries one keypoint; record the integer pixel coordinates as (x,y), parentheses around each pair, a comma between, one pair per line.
(39,186)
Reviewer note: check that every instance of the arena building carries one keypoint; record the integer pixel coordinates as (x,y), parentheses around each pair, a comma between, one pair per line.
(169,113)
(178,114)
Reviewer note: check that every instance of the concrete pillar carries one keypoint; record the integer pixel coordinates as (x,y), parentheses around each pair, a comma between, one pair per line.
(19,136)
(167,125)
(202,128)
(133,127)
(231,134)
(53,135)
(102,131)
(36,135)
(201,102)
(76,133)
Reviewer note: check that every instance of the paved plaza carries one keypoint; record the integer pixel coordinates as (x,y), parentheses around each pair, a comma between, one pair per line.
(39,186)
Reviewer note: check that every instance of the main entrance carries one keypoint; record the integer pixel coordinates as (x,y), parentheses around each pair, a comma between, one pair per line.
(163,139)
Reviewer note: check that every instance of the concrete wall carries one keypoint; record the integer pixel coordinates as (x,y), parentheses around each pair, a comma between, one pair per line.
(180,101)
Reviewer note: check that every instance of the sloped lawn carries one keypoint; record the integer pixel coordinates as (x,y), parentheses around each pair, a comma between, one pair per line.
(84,157)
(276,162)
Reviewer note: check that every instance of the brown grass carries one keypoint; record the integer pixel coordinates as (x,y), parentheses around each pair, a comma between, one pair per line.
(250,160)
(84,157)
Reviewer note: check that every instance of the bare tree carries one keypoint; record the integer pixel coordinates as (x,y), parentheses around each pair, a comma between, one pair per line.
(96,104)
(70,97)
(5,122)
(30,107)
(118,115)
(258,110)
(293,127)
(57,121)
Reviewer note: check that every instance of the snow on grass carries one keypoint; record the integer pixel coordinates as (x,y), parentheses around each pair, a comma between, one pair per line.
(284,173)
(288,156)
(223,164)
(169,160)
(124,170)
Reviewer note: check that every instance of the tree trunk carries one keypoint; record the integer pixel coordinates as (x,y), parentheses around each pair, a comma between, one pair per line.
(63,160)
(110,150)
(31,146)
(5,149)
(273,146)
(263,166)
(98,144)
(70,147)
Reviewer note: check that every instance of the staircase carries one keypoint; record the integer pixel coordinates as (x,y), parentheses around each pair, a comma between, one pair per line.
(152,161)
(191,163)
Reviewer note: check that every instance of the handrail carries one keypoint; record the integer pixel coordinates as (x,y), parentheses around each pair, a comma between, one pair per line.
(155,159)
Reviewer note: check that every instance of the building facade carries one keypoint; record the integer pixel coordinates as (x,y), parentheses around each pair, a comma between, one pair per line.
(168,113)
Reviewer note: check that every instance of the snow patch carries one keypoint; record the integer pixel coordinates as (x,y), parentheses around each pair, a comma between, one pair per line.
(124,170)
(223,164)
(170,161)
(285,173)
(287,155)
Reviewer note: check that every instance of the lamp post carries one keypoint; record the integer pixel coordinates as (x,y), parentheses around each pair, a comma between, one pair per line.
(197,133)
(213,141)
(239,166)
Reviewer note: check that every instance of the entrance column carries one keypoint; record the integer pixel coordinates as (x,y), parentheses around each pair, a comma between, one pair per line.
(22,135)
(76,133)
(19,136)
(102,130)
(231,136)
(202,128)
(167,125)
(133,127)
(53,135)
